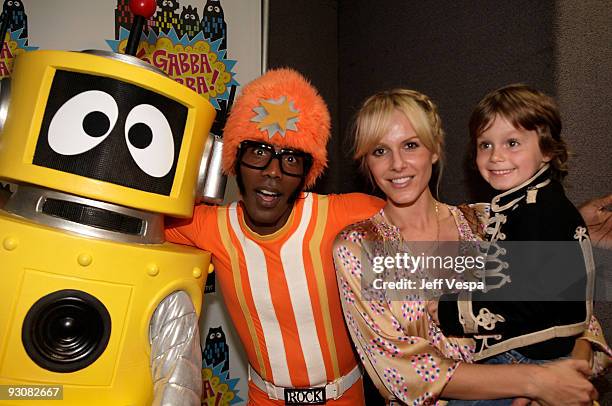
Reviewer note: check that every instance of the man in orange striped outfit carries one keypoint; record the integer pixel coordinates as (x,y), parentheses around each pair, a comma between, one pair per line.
(272,249)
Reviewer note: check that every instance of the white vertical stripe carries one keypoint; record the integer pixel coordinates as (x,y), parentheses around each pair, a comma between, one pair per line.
(258,281)
(292,257)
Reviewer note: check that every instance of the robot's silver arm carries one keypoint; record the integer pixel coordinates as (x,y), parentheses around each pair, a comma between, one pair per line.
(176,357)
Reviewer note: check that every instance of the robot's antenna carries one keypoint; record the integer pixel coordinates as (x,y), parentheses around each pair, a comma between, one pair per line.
(142,10)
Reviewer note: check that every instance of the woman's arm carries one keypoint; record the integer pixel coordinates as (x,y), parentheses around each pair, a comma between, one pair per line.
(409,359)
(558,383)
(391,337)
(559,379)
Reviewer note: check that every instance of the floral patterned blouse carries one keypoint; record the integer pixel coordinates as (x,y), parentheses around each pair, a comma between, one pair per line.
(402,349)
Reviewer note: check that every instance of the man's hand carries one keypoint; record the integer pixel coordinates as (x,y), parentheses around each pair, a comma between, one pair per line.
(563,383)
(597,215)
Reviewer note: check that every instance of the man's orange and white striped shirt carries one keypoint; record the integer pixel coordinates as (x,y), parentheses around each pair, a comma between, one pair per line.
(280,289)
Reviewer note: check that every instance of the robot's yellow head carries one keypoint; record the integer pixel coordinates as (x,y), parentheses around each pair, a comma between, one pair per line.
(104,129)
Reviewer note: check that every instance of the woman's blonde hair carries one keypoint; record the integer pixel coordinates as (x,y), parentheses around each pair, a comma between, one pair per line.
(373,121)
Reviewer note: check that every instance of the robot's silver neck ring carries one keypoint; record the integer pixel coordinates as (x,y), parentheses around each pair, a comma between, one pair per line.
(84,216)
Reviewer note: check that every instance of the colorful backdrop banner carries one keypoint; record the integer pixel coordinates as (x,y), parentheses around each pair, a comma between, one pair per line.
(16,38)
(217,387)
(190,50)
(12,46)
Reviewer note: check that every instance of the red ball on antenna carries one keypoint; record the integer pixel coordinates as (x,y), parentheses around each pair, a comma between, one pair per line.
(144,8)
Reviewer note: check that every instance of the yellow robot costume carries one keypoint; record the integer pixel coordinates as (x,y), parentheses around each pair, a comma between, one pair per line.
(91,297)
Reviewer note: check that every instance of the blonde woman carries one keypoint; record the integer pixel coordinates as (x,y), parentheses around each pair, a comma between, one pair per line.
(399,141)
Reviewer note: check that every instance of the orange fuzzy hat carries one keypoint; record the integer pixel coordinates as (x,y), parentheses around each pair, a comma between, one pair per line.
(280,108)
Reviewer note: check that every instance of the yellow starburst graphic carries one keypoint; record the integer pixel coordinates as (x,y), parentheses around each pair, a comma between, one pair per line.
(276,116)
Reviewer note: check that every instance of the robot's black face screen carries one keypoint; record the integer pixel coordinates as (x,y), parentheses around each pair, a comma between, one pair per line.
(106,129)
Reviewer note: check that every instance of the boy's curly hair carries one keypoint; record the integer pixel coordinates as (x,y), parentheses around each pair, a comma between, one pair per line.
(529,109)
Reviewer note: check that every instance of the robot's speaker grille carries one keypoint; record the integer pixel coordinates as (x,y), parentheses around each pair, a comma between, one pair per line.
(92,216)
(65,331)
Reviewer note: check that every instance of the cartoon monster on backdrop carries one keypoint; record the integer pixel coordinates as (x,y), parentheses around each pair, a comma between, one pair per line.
(167,17)
(217,387)
(191,22)
(17,16)
(213,22)
(216,350)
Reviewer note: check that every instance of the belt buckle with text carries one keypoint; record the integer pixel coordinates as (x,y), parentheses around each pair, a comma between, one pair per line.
(305,396)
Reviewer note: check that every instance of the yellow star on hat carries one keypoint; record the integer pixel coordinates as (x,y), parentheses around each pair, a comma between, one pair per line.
(276,116)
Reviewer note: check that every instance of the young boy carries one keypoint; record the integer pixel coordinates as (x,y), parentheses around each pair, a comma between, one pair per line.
(540,296)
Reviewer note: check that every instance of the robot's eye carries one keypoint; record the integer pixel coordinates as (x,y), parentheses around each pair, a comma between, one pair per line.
(210,8)
(217,9)
(9,3)
(218,335)
(149,140)
(82,122)
(16,3)
(212,336)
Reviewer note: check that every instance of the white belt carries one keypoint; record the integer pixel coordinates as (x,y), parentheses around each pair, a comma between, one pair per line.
(333,390)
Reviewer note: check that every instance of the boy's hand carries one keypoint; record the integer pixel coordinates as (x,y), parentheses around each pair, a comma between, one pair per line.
(598,218)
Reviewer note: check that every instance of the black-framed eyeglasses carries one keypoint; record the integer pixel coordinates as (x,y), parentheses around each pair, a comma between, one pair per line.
(258,155)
